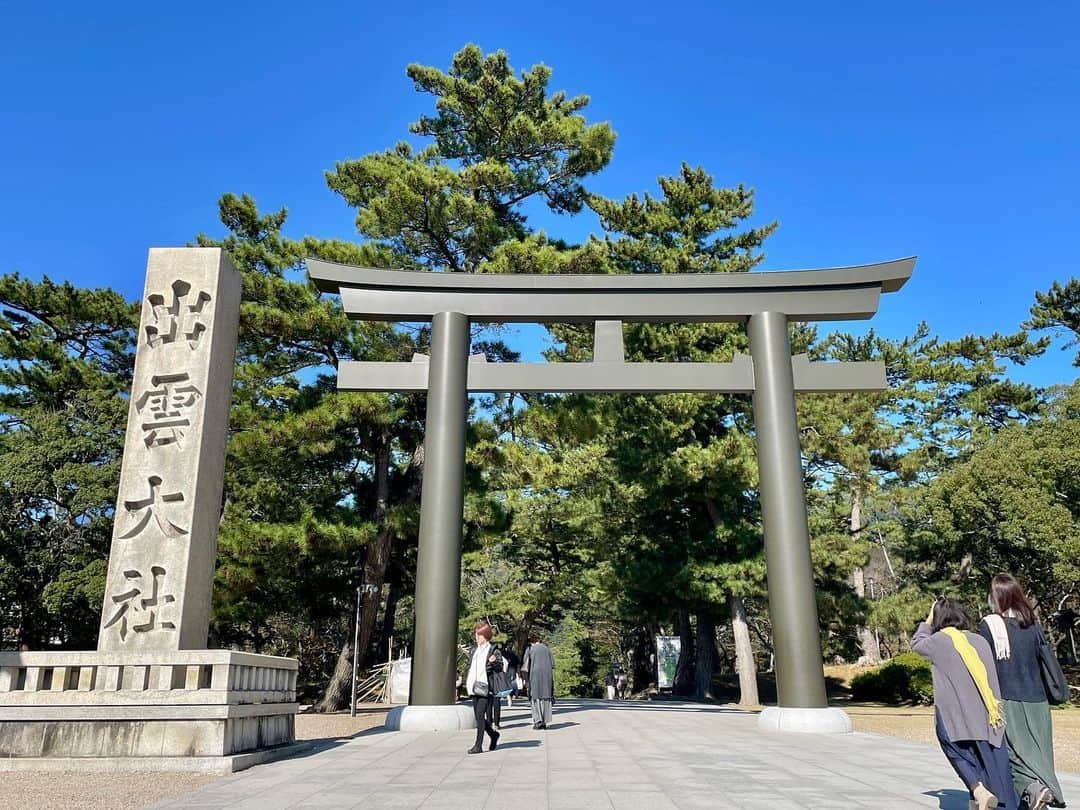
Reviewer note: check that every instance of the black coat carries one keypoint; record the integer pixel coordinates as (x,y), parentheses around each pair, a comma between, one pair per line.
(493,666)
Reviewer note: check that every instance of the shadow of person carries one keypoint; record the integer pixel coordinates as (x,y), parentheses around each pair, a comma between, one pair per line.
(566,724)
(519,744)
(950,799)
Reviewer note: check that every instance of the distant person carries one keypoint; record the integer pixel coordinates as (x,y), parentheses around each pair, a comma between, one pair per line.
(967,704)
(622,684)
(609,686)
(513,664)
(502,686)
(539,663)
(484,660)
(1014,636)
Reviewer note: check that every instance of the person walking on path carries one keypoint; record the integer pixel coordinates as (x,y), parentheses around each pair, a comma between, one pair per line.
(1014,636)
(967,704)
(483,662)
(539,663)
(513,663)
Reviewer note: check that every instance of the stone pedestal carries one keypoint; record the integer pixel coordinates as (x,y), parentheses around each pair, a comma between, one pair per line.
(451,717)
(207,710)
(828,720)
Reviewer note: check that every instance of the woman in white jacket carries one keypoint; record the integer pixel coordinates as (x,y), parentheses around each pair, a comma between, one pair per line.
(485,659)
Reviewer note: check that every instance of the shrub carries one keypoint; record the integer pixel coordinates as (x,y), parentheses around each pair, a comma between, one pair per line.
(903,679)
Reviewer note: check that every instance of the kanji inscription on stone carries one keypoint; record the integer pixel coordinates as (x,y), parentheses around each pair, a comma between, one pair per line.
(169,501)
(167,408)
(178,318)
(155,506)
(141,614)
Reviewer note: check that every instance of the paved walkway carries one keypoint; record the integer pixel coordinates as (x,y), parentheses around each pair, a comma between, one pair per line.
(620,756)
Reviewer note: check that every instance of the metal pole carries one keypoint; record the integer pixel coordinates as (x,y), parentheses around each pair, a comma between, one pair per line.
(438,564)
(355,653)
(800,680)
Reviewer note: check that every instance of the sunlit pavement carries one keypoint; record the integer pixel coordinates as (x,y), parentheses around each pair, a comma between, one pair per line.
(596,754)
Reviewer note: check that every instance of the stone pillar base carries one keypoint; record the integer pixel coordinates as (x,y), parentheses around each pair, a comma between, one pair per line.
(455,717)
(179,710)
(806,721)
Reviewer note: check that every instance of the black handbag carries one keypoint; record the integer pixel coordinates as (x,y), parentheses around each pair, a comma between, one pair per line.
(481,688)
(501,682)
(1057,688)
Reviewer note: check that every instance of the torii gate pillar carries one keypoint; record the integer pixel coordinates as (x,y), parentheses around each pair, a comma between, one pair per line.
(438,563)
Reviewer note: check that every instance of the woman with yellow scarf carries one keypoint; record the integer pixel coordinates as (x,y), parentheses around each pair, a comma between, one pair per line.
(967,704)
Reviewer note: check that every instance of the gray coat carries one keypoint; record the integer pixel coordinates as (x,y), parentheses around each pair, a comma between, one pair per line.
(540,665)
(956,698)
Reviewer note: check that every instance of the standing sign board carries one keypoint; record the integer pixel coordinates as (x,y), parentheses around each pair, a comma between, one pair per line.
(667,659)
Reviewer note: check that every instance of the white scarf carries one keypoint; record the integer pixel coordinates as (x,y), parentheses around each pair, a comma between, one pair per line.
(1000,633)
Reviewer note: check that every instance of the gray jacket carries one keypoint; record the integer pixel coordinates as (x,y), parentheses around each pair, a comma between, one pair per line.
(956,698)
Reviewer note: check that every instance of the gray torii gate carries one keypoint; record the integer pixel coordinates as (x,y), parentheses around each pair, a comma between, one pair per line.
(765,301)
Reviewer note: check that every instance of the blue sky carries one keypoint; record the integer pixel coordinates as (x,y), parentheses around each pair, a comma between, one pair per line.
(870,131)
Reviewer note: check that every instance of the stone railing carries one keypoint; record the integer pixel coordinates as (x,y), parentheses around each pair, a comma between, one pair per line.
(196,676)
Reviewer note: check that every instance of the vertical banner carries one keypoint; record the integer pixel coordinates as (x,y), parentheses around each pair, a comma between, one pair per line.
(667,659)
(164,545)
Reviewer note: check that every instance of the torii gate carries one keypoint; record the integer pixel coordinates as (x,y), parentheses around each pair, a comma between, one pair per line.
(764,301)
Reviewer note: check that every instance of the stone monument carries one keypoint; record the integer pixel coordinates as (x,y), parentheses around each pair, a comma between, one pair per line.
(152,696)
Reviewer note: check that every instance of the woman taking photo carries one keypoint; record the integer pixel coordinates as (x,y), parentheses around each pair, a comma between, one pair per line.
(1014,636)
(484,661)
(967,704)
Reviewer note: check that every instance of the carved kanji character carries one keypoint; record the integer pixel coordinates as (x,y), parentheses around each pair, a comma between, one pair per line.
(142,611)
(180,318)
(152,506)
(168,406)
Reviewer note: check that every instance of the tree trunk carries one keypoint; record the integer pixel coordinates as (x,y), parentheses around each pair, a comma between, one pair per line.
(744,653)
(684,670)
(339,690)
(643,659)
(868,642)
(704,656)
(386,634)
(519,638)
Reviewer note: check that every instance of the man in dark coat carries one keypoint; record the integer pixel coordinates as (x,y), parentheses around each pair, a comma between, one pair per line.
(539,664)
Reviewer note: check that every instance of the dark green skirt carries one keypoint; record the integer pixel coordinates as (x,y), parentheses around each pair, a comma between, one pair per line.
(1030,735)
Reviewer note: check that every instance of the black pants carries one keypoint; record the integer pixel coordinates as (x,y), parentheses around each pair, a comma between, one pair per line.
(481,707)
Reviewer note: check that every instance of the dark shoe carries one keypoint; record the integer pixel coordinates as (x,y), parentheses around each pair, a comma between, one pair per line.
(543,726)
(494,741)
(537,726)
(476,749)
(1040,798)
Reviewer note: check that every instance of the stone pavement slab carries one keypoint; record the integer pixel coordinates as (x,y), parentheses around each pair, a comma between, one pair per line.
(598,754)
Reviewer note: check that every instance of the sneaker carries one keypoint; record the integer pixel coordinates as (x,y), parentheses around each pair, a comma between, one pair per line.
(476,749)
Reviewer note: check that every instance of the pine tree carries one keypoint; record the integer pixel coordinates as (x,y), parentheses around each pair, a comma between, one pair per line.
(66,360)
